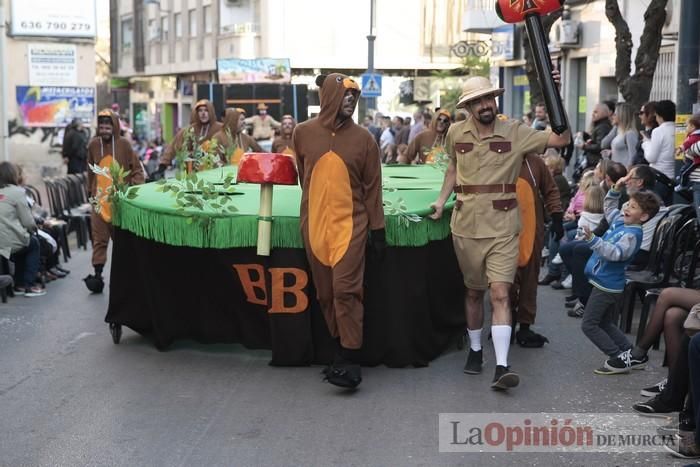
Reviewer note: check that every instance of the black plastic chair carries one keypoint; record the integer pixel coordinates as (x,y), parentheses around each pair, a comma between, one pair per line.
(658,270)
(682,274)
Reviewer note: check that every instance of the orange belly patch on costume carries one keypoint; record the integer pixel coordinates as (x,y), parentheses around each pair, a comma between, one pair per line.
(103,186)
(330,209)
(236,156)
(528,220)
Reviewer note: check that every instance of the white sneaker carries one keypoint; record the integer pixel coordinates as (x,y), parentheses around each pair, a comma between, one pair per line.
(557,260)
(566,283)
(545,252)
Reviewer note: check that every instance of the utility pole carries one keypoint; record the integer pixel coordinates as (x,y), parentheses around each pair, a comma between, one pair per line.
(4,127)
(371,101)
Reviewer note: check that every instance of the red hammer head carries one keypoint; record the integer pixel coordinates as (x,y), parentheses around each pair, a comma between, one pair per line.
(515,11)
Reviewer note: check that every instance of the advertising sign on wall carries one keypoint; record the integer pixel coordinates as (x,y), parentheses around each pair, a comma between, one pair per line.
(54,106)
(51,18)
(259,70)
(52,64)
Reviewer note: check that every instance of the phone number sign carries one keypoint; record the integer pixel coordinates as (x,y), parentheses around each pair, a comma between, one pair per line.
(52,18)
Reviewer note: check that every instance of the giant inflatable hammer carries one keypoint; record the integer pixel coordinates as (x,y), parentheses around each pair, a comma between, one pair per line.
(515,11)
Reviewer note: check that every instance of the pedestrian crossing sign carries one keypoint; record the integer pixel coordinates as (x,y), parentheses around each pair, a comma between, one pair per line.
(371,85)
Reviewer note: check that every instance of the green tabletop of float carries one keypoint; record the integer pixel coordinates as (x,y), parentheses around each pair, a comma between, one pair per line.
(408,191)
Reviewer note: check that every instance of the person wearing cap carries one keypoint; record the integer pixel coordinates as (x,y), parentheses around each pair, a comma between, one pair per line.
(486,155)
(107,146)
(283,143)
(263,125)
(204,126)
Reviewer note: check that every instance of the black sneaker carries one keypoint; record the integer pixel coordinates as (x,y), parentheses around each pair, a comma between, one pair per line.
(504,378)
(548,279)
(577,310)
(347,376)
(530,339)
(654,390)
(571,298)
(572,303)
(625,362)
(475,361)
(654,407)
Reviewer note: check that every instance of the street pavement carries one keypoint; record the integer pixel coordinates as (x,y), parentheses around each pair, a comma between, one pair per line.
(70,397)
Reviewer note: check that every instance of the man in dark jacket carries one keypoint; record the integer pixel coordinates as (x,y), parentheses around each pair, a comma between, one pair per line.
(74,149)
(601,127)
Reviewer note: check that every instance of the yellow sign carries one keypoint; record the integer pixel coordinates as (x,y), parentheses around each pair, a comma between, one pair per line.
(582,104)
(681,121)
(520,80)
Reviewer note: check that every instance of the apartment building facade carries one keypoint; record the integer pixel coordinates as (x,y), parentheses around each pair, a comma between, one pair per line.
(162,48)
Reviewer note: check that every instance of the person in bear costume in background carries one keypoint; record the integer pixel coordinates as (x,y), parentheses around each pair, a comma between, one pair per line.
(341,209)
(105,147)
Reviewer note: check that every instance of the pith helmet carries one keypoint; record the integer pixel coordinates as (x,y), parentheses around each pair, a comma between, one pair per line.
(476,87)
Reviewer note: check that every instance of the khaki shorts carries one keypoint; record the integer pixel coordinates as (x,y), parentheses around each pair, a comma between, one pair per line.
(486,260)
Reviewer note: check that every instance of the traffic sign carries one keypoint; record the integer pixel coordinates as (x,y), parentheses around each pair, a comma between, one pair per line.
(371,85)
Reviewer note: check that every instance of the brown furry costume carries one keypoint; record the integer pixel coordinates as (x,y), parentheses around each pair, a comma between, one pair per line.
(426,140)
(282,144)
(523,294)
(202,133)
(123,153)
(233,142)
(341,179)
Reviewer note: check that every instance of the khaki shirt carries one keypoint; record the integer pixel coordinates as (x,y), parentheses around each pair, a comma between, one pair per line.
(495,159)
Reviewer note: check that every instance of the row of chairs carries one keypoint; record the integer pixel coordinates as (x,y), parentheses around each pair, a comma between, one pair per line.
(68,201)
(673,262)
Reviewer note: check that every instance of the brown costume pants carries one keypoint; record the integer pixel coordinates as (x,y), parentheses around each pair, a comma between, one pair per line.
(101,233)
(523,293)
(339,291)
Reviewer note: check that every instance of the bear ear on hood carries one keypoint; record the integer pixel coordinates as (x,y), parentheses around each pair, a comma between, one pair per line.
(320,79)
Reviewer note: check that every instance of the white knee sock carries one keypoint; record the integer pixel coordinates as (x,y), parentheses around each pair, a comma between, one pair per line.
(501,342)
(474,339)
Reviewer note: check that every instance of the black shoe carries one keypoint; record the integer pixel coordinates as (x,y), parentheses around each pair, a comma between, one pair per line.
(548,279)
(347,376)
(475,361)
(557,285)
(530,339)
(577,310)
(571,298)
(95,284)
(64,271)
(57,273)
(684,446)
(504,378)
(625,362)
(654,407)
(571,303)
(654,390)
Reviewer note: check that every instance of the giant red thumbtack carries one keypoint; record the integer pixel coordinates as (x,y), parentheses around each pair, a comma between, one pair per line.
(530,11)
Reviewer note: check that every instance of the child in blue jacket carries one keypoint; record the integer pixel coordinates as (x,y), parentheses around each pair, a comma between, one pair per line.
(606,272)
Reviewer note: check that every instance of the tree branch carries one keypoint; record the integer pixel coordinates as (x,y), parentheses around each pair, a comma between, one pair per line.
(623,44)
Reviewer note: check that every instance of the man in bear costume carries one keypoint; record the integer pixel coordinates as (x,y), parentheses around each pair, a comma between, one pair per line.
(430,142)
(537,194)
(283,143)
(341,203)
(104,148)
(204,127)
(232,140)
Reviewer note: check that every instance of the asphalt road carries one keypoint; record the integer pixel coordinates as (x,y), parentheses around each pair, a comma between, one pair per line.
(70,397)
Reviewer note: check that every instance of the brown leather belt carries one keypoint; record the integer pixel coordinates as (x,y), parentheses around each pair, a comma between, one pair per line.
(475,189)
